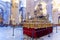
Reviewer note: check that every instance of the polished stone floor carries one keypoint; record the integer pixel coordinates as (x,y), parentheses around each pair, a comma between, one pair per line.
(6,34)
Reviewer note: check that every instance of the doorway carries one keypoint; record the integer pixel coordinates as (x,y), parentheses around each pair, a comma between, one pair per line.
(59,20)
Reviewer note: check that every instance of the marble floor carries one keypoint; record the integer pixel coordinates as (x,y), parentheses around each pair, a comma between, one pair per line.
(6,34)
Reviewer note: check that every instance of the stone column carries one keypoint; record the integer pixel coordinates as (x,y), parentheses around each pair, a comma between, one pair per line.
(49,9)
(15,12)
(29,8)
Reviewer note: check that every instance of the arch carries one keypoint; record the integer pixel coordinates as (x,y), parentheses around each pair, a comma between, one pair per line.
(3,8)
(8,4)
(2,5)
(1,16)
(2,11)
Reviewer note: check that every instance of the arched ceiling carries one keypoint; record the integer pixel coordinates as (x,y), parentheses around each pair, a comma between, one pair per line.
(2,5)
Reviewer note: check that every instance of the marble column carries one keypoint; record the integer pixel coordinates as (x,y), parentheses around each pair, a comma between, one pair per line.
(15,12)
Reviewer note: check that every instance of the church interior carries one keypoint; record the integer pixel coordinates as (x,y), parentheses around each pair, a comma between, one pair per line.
(29,20)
